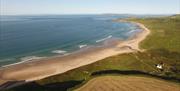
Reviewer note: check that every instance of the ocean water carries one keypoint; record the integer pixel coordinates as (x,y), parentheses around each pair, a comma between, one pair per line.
(24,38)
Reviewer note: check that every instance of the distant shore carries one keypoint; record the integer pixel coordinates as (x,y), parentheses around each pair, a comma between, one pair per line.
(40,69)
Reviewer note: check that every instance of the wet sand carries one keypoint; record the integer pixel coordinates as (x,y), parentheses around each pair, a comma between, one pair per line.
(39,69)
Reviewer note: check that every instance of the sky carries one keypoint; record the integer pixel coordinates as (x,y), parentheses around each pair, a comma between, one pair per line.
(31,7)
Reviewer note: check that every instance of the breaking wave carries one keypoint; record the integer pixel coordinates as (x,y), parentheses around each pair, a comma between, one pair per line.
(110,36)
(29,58)
(81,46)
(59,51)
(25,59)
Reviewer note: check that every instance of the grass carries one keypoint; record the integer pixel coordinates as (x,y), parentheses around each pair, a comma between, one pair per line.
(133,61)
(163,46)
(164,33)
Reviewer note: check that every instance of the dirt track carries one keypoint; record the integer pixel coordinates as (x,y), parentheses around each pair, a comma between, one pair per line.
(128,83)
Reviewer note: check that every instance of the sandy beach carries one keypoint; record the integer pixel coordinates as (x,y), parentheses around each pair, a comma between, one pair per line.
(39,69)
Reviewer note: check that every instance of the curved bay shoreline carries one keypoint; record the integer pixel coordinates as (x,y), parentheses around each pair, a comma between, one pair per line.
(51,66)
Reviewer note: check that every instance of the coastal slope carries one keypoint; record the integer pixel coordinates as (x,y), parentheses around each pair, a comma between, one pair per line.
(158,48)
(43,68)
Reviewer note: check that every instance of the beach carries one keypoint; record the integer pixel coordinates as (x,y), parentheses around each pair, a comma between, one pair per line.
(39,69)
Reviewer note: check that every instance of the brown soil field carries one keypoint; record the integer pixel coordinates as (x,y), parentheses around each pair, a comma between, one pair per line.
(128,83)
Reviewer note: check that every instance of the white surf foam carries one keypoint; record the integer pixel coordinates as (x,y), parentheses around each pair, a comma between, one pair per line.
(110,36)
(6,60)
(59,51)
(29,58)
(132,31)
(25,59)
(81,46)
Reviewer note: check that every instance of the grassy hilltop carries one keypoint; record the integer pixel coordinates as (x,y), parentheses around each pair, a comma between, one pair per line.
(163,46)
(164,33)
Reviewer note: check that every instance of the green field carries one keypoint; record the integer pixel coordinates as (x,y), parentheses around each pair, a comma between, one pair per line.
(163,46)
(164,33)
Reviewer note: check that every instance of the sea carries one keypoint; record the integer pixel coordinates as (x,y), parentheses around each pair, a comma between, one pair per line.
(28,37)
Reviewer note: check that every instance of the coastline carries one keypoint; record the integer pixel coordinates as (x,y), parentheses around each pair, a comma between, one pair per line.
(51,66)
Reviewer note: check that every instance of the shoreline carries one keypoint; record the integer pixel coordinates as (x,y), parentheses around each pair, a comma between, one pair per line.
(40,69)
(84,48)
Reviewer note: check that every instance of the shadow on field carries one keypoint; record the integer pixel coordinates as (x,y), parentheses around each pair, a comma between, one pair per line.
(133,72)
(33,86)
(64,86)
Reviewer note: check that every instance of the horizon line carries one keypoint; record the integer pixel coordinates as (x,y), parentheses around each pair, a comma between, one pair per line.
(96,14)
